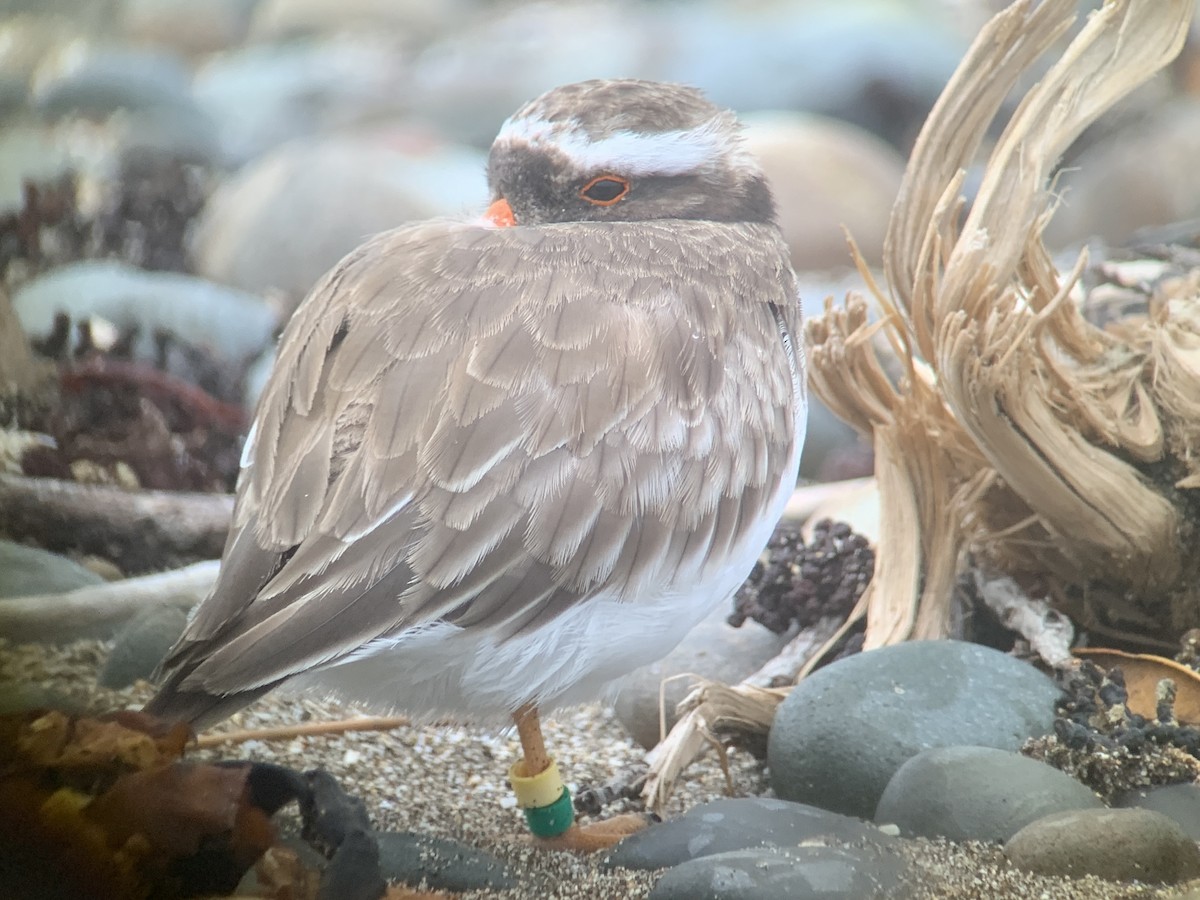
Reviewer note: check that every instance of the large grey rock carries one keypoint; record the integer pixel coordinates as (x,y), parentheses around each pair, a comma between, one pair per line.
(25,571)
(827,177)
(713,649)
(976,794)
(1178,802)
(262,95)
(736,824)
(844,731)
(1115,844)
(1139,177)
(286,219)
(440,863)
(98,82)
(187,26)
(141,644)
(234,325)
(803,873)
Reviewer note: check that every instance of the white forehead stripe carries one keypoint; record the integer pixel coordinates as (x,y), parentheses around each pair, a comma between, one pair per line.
(657,153)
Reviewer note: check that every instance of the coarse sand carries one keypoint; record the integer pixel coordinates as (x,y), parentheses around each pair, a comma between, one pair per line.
(449,781)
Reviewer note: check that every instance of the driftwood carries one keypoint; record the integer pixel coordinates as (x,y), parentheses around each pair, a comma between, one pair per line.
(1021,434)
(1008,433)
(140,531)
(96,612)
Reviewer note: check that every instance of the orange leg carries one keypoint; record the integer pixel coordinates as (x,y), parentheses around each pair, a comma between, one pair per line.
(547,803)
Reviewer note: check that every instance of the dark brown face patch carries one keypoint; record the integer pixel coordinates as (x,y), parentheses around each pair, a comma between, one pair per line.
(545,185)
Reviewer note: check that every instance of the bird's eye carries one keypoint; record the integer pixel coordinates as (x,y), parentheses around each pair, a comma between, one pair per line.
(605,190)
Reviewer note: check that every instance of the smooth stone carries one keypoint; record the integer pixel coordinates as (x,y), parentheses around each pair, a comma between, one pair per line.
(880,66)
(284,220)
(97,83)
(189,27)
(714,649)
(262,95)
(1114,844)
(827,177)
(802,873)
(234,324)
(141,644)
(976,794)
(440,863)
(575,40)
(844,731)
(413,19)
(19,698)
(27,571)
(736,824)
(1142,176)
(1178,802)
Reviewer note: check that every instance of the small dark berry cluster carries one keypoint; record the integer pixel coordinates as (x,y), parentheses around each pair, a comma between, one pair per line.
(800,583)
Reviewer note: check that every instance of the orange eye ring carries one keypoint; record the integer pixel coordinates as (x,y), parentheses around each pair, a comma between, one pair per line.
(605,190)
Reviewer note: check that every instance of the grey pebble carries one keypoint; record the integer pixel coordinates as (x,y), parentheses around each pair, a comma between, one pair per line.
(713,649)
(844,731)
(1114,844)
(803,873)
(1178,802)
(441,863)
(100,82)
(736,824)
(141,644)
(25,571)
(976,794)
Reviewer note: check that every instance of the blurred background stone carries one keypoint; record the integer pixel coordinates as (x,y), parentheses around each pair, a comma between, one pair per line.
(826,176)
(284,220)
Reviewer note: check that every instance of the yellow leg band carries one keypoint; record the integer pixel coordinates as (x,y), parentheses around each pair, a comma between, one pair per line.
(534,791)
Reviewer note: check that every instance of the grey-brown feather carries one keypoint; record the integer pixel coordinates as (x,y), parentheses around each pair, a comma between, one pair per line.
(510,421)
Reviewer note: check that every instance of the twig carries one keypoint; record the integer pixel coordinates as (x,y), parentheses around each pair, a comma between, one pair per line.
(306,729)
(96,612)
(138,530)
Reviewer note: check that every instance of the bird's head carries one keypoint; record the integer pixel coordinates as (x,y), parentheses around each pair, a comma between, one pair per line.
(621,151)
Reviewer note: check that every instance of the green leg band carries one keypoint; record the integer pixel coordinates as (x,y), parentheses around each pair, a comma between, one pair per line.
(551,821)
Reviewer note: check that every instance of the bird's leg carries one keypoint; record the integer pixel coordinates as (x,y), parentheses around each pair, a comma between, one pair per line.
(547,802)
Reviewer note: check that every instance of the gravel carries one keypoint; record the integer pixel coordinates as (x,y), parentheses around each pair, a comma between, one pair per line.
(449,781)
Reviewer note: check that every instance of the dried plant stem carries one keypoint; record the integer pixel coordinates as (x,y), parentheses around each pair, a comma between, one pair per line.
(306,729)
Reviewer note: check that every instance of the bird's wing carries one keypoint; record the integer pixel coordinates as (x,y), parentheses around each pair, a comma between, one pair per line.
(485,425)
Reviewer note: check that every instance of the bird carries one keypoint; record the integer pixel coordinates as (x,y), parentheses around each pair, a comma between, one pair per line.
(502,461)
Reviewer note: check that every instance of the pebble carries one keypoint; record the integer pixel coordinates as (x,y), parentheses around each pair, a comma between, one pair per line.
(713,649)
(287,218)
(26,571)
(976,794)
(741,823)
(844,731)
(141,644)
(1178,802)
(440,863)
(828,177)
(802,873)
(1115,844)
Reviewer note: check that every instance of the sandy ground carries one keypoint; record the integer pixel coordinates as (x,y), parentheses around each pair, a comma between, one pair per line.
(450,781)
